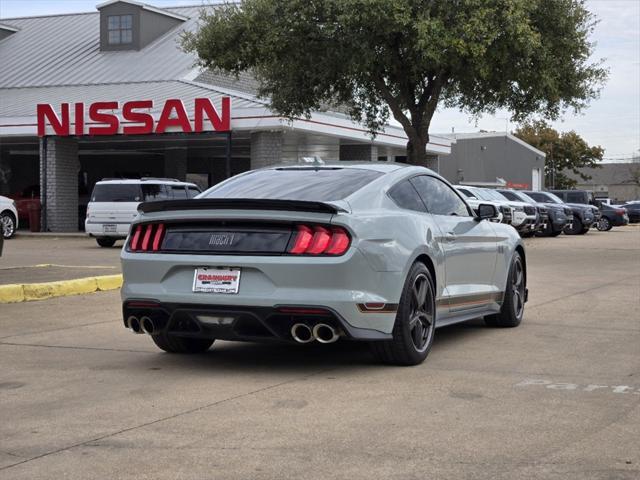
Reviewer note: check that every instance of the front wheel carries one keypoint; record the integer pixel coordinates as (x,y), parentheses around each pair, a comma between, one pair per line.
(175,344)
(414,327)
(514,297)
(106,242)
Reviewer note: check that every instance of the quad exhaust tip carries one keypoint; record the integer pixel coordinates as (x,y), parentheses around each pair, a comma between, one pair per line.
(302,333)
(324,333)
(134,324)
(147,325)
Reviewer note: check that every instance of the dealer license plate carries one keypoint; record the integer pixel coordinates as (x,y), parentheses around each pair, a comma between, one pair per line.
(109,228)
(216,280)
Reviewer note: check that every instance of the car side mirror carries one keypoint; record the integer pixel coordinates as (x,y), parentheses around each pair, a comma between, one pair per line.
(487,212)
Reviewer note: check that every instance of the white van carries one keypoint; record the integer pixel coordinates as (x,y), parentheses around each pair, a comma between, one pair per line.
(114,204)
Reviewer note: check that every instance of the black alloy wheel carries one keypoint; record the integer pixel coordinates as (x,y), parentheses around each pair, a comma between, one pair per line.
(512,309)
(414,328)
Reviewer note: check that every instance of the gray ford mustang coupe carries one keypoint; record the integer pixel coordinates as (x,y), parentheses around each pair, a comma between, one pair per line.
(382,253)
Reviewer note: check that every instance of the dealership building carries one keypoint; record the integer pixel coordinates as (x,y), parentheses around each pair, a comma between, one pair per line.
(110,93)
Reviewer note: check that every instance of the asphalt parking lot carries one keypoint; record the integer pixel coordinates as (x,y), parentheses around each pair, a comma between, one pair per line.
(556,398)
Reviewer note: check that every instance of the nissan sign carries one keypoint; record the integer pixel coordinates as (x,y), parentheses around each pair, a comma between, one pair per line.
(133,118)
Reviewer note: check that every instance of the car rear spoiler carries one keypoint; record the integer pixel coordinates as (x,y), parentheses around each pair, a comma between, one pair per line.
(239,204)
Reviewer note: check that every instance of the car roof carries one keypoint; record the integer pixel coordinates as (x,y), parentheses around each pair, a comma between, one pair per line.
(140,181)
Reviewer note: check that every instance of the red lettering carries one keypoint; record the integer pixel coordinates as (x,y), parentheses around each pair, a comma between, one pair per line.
(79,119)
(173,117)
(59,126)
(203,106)
(109,119)
(129,114)
(181,119)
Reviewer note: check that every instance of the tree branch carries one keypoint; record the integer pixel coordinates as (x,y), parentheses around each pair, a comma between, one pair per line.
(398,114)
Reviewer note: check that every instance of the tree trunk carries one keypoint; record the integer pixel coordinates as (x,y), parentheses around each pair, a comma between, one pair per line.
(417,151)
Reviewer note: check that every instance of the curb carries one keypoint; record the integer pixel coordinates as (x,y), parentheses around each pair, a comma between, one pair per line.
(27,292)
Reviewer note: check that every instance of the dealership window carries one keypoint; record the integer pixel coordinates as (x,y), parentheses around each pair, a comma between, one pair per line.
(120,29)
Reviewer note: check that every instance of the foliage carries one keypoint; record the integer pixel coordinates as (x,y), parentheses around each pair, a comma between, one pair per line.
(406,57)
(565,152)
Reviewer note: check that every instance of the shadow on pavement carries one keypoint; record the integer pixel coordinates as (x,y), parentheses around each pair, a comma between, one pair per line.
(242,357)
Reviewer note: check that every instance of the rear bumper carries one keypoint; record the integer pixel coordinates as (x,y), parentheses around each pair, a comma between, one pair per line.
(337,284)
(240,323)
(105,229)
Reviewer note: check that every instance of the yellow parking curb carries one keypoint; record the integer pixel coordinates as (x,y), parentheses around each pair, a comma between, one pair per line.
(26,292)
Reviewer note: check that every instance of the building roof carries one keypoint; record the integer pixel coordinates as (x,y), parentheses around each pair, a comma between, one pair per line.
(144,6)
(608,174)
(477,135)
(65,50)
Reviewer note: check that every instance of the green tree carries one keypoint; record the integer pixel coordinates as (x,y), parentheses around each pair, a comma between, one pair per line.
(406,57)
(566,152)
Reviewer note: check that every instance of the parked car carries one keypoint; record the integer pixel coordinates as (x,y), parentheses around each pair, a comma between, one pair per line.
(382,253)
(611,217)
(555,217)
(518,216)
(559,216)
(8,217)
(541,210)
(633,210)
(583,215)
(580,197)
(28,197)
(525,216)
(114,204)
(505,212)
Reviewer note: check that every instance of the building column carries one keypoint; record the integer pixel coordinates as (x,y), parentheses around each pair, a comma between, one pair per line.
(175,163)
(363,152)
(59,167)
(266,149)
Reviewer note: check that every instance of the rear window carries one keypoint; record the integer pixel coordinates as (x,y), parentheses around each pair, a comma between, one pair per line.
(317,185)
(115,192)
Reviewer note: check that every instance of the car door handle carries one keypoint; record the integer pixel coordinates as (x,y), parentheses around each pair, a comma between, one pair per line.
(450,237)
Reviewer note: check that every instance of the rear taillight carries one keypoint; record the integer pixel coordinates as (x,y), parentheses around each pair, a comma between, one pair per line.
(621,211)
(147,237)
(318,240)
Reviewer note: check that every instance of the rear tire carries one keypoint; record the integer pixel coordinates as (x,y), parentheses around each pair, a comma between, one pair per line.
(604,225)
(7,224)
(414,327)
(175,344)
(512,309)
(106,242)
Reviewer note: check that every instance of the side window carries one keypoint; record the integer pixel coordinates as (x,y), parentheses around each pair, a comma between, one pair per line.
(155,191)
(439,197)
(192,192)
(405,196)
(467,193)
(509,195)
(178,192)
(575,197)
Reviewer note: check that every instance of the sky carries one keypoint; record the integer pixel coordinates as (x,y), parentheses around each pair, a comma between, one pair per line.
(612,121)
